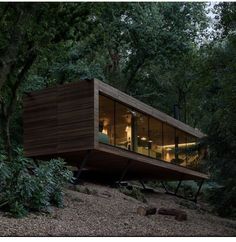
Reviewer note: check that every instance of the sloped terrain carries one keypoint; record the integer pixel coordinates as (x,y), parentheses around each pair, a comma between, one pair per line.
(97,210)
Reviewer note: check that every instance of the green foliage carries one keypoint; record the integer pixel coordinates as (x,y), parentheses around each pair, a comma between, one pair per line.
(27,186)
(17,210)
(134,192)
(217,87)
(4,171)
(162,53)
(223,198)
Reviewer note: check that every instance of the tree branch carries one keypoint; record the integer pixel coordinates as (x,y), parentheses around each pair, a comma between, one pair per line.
(133,74)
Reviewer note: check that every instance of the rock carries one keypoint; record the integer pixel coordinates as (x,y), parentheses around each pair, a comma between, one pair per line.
(180,215)
(144,211)
(168,211)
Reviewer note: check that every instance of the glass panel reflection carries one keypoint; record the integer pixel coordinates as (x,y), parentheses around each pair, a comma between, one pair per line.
(155,138)
(129,129)
(168,143)
(106,120)
(123,129)
(142,134)
(192,152)
(180,147)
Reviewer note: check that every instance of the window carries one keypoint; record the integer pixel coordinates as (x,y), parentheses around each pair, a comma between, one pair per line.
(143,144)
(106,120)
(168,143)
(123,129)
(192,152)
(155,138)
(180,147)
(126,128)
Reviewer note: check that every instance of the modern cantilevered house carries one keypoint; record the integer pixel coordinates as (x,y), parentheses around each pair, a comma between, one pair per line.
(108,133)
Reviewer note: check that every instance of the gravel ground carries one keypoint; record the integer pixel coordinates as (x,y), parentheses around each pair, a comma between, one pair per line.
(107,212)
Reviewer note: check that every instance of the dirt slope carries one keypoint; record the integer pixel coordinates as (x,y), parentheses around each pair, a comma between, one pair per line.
(107,212)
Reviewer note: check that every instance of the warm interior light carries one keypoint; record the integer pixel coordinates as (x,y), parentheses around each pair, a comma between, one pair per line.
(167,156)
(143,138)
(128,132)
(104,131)
(179,145)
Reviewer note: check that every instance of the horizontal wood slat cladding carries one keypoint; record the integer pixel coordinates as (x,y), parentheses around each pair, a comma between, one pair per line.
(76,116)
(40,122)
(59,119)
(144,108)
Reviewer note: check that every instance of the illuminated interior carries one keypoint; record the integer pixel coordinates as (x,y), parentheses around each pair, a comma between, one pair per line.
(126,128)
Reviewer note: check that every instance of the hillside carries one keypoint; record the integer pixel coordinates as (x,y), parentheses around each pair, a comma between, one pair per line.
(103,211)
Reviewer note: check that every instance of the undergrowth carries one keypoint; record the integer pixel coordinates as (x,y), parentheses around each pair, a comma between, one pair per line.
(134,192)
(27,185)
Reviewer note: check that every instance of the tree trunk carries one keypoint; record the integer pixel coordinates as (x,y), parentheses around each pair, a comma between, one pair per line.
(180,215)
(9,110)
(133,73)
(8,136)
(144,211)
(5,133)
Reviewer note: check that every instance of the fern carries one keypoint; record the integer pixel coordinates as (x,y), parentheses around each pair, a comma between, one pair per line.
(24,186)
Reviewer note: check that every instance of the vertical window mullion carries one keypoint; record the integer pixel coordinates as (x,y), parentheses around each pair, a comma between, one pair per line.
(114,123)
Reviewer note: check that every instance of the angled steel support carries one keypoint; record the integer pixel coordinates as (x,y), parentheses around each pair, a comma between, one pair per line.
(124,172)
(177,188)
(198,191)
(143,185)
(89,152)
(164,186)
(194,199)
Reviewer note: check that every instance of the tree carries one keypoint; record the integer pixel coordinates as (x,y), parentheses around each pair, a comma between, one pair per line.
(29,32)
(215,99)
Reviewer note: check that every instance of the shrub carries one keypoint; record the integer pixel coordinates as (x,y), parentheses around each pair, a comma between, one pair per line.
(27,185)
(223,199)
(134,192)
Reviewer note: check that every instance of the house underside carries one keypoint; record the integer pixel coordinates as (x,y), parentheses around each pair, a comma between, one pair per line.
(113,164)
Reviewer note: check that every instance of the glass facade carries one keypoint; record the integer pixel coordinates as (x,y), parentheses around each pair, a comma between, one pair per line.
(155,138)
(126,128)
(106,120)
(123,129)
(168,143)
(142,143)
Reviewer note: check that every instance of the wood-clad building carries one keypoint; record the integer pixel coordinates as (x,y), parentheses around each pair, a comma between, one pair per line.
(114,133)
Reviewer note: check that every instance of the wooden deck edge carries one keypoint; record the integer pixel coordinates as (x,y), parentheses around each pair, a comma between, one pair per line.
(141,158)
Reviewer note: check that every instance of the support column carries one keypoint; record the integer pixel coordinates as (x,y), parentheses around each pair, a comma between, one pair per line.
(143,185)
(89,152)
(178,186)
(124,172)
(198,191)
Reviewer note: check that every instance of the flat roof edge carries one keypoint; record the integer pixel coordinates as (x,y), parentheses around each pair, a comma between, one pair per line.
(152,111)
(119,95)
